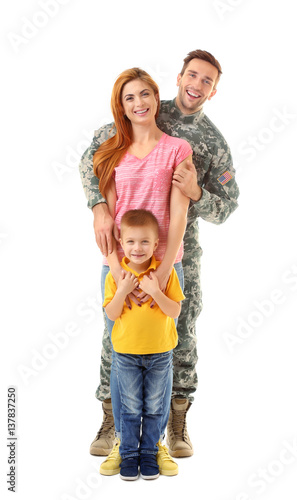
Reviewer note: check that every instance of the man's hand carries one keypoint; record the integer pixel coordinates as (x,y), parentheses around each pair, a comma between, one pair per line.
(104,228)
(185,178)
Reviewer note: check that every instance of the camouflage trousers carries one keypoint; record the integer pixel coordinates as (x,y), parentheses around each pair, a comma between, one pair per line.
(185,356)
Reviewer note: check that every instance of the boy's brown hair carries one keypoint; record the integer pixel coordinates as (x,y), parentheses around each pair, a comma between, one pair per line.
(139,217)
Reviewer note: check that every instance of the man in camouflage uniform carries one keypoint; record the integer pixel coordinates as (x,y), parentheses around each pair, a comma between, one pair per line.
(210,184)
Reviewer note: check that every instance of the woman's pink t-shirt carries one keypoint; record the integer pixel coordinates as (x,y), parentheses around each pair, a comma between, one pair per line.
(146,183)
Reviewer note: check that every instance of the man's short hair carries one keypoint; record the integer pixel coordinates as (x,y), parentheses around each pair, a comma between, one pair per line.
(139,217)
(205,56)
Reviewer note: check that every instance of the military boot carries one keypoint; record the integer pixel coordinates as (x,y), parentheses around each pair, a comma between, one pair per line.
(105,439)
(178,440)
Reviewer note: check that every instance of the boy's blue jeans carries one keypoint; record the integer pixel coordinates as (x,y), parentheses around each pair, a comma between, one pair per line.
(141,382)
(116,401)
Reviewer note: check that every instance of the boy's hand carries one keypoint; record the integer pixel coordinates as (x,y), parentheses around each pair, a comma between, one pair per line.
(150,284)
(127,282)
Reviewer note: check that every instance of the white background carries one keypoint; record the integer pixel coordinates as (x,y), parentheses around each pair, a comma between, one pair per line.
(57,74)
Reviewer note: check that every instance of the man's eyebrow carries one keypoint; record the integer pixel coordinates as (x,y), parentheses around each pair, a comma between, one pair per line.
(196,73)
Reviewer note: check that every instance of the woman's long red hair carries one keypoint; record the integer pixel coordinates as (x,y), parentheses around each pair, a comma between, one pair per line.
(109,154)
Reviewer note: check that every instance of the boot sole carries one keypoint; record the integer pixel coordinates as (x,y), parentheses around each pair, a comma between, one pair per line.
(100,452)
(180,453)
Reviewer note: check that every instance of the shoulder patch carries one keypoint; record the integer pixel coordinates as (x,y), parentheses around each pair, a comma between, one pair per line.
(225,177)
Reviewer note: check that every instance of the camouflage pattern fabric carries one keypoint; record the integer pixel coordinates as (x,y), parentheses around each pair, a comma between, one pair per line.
(216,177)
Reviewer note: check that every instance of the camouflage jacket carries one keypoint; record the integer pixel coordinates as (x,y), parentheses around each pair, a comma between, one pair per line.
(211,157)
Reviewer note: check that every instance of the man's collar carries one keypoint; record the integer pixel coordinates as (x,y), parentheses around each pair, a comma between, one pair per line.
(176,113)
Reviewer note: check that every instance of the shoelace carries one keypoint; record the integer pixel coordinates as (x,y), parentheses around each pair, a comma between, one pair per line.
(178,423)
(114,450)
(107,425)
(163,451)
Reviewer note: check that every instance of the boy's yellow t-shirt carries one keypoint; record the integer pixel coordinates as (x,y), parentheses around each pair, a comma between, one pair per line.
(144,330)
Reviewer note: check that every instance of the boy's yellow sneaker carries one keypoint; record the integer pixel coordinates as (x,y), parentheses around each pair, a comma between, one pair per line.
(167,466)
(111,465)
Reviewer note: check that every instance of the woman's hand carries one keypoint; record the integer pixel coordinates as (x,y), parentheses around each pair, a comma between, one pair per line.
(150,284)
(163,277)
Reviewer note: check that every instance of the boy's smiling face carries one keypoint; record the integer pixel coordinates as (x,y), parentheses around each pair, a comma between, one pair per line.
(139,244)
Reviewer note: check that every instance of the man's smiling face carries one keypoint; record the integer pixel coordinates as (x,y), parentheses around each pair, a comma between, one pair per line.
(196,86)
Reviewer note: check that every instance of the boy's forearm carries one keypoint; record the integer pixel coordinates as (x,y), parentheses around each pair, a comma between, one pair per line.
(167,305)
(115,307)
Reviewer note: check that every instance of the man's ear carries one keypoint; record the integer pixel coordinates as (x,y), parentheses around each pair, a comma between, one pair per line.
(179,77)
(212,94)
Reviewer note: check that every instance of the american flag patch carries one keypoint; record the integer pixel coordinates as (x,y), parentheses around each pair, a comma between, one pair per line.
(225,177)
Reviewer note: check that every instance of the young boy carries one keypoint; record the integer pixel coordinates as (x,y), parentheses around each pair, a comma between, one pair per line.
(143,339)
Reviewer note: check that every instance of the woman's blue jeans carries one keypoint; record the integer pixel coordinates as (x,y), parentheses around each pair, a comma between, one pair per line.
(116,400)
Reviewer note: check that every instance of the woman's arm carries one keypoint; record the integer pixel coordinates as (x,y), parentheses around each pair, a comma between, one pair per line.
(150,285)
(112,257)
(179,204)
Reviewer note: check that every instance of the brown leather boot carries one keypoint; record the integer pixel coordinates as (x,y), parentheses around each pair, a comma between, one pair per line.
(105,439)
(178,440)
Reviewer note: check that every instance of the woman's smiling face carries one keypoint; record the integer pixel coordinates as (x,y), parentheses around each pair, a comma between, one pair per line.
(139,102)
